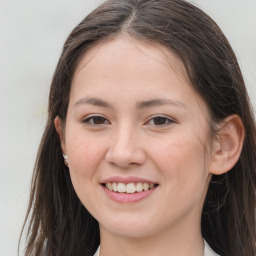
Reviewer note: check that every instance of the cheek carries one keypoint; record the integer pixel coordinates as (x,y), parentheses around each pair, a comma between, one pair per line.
(181,159)
(178,149)
(85,155)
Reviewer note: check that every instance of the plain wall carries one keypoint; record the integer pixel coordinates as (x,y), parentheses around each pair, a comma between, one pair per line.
(31,39)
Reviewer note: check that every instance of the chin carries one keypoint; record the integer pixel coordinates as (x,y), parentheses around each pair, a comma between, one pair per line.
(131,227)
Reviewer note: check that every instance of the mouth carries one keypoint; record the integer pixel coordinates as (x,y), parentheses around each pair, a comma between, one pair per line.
(129,188)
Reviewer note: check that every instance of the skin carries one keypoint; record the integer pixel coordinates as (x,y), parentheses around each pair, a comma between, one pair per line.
(174,151)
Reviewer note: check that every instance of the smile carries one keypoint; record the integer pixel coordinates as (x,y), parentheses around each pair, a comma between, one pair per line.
(129,188)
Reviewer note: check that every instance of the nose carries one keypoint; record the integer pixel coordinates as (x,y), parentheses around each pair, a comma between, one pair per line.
(125,149)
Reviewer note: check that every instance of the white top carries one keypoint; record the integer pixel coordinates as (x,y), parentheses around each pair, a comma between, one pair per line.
(207,251)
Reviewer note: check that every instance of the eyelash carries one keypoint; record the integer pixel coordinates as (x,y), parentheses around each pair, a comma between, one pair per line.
(167,121)
(90,120)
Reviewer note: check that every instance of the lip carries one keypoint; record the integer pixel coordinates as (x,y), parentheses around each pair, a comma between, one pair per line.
(126,180)
(126,197)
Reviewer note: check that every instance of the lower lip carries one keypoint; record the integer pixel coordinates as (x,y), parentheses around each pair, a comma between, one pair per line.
(128,198)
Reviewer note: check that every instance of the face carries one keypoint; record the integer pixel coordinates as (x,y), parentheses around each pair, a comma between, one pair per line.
(136,138)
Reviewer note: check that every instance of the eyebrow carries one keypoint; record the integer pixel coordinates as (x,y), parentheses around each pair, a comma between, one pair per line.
(139,105)
(159,102)
(93,101)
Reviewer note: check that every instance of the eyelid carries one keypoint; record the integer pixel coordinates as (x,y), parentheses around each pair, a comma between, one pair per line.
(86,120)
(168,118)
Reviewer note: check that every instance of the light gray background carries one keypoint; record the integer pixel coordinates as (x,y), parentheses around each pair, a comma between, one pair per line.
(32,34)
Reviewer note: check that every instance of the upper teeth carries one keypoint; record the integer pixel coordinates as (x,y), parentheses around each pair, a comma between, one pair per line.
(128,188)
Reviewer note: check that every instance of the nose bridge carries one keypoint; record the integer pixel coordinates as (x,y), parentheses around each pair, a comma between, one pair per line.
(124,147)
(123,137)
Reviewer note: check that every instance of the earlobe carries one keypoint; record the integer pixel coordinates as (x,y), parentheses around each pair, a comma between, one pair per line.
(227,148)
(58,126)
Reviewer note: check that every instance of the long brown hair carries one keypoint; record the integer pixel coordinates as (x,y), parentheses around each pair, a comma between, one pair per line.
(57,222)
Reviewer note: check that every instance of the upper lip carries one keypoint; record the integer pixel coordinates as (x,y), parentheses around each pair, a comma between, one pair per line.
(126,180)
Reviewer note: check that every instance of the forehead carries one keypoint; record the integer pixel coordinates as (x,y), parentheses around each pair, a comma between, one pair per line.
(119,48)
(131,68)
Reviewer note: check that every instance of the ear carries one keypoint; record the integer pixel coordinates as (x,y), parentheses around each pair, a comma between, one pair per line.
(227,146)
(59,128)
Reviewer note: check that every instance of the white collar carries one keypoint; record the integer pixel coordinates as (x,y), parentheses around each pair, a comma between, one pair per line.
(97,253)
(207,250)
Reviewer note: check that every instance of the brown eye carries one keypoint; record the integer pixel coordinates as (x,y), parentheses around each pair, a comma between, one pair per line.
(159,120)
(96,120)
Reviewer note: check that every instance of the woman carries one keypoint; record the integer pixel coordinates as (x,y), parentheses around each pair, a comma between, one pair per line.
(149,148)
